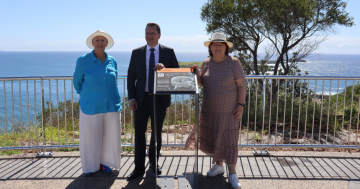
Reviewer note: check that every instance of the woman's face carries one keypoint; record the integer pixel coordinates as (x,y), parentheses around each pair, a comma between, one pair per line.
(218,48)
(99,43)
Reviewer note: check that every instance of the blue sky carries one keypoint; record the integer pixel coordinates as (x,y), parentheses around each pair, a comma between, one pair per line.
(45,25)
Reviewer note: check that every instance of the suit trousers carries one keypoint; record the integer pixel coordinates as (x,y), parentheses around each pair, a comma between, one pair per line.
(100,141)
(141,119)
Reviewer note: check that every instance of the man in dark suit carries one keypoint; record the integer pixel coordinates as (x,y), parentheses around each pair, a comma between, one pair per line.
(140,85)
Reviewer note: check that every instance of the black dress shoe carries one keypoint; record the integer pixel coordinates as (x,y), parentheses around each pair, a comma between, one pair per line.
(135,174)
(152,167)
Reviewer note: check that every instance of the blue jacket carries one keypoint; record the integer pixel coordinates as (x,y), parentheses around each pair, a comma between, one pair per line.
(97,84)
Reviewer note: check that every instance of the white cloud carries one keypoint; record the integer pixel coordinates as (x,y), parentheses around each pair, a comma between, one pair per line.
(43,45)
(340,45)
(332,45)
(343,41)
(195,43)
(179,43)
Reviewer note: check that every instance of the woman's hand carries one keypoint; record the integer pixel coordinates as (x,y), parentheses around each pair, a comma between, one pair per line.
(199,79)
(195,68)
(238,112)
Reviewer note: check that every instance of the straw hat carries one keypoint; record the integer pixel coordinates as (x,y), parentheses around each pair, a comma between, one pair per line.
(218,37)
(101,33)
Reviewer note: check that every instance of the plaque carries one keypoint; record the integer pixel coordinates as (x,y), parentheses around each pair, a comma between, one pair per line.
(175,81)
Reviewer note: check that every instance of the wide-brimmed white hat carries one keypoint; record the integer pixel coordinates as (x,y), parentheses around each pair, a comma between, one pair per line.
(101,33)
(218,37)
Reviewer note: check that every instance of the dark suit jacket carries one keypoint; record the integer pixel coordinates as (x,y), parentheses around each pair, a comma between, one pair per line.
(136,78)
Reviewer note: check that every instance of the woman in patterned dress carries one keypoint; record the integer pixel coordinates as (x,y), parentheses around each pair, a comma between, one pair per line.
(223,80)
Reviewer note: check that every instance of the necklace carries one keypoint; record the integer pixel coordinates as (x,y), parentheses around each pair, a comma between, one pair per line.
(218,63)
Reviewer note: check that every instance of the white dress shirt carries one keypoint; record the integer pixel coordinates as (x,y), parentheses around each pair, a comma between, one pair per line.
(156,53)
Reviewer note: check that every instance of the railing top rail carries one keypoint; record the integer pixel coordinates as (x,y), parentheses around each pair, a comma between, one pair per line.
(20,78)
(315,77)
(45,78)
(247,77)
(254,77)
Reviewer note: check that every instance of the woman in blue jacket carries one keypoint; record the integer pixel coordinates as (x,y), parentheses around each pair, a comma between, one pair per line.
(95,79)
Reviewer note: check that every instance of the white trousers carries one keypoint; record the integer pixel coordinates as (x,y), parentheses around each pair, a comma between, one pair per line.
(100,141)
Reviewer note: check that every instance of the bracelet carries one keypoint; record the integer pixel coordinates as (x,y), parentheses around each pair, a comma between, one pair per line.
(243,105)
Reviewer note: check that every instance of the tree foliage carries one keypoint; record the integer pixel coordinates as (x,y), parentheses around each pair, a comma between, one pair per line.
(290,30)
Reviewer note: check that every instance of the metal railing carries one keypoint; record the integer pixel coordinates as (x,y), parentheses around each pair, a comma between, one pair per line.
(292,111)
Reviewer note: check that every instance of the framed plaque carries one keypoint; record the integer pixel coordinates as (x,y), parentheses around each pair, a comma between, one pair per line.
(175,81)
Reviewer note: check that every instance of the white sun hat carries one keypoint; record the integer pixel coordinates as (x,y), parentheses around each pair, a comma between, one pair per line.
(218,37)
(101,33)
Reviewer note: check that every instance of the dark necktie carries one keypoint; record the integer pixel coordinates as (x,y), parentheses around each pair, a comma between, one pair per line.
(151,71)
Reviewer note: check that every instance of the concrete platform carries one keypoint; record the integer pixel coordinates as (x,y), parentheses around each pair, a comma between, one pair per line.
(280,170)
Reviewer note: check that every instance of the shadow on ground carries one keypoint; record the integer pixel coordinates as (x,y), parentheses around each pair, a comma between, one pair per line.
(147,182)
(98,180)
(214,182)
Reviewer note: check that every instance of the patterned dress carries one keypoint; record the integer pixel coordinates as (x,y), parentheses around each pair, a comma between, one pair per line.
(219,130)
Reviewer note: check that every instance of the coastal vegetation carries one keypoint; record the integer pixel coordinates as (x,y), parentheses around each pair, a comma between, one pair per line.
(298,109)
(188,64)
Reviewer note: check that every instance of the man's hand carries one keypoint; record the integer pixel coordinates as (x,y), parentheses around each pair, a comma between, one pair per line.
(133,105)
(159,66)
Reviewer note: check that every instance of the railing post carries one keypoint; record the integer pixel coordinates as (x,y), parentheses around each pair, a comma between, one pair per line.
(43,153)
(261,152)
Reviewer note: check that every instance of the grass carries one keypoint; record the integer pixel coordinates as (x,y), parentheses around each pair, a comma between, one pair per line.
(33,140)
(188,64)
(9,152)
(68,149)
(35,137)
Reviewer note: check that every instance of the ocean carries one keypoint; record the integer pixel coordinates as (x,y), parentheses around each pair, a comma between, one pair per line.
(22,64)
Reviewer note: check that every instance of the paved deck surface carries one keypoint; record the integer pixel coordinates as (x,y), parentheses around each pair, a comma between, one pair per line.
(280,170)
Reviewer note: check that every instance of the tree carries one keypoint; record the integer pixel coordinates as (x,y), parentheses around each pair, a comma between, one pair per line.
(292,29)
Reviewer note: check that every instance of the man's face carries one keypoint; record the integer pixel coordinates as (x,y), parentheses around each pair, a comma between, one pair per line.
(152,36)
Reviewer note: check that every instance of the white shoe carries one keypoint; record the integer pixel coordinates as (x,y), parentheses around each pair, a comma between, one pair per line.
(215,170)
(233,180)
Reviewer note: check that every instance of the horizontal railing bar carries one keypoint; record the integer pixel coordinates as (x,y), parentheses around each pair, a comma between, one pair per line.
(314,77)
(20,78)
(70,77)
(181,145)
(254,77)
(45,78)
(75,146)
(39,147)
(247,77)
(299,146)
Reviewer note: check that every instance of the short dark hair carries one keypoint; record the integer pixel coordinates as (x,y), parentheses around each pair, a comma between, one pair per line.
(153,24)
(226,51)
